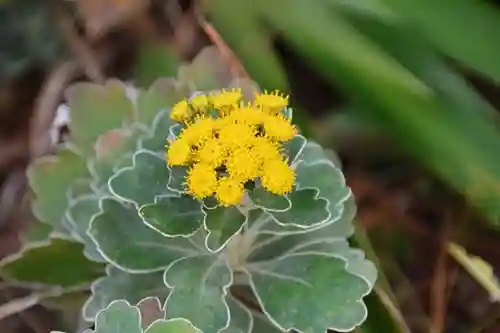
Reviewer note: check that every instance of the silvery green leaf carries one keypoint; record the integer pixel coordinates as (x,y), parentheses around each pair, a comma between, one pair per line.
(311,152)
(356,262)
(274,241)
(262,324)
(211,202)
(324,176)
(176,325)
(173,216)
(118,284)
(143,181)
(307,210)
(96,109)
(241,317)
(343,226)
(118,317)
(111,147)
(199,287)
(222,223)
(50,177)
(294,148)
(269,201)
(156,139)
(79,214)
(310,292)
(177,179)
(125,241)
(80,187)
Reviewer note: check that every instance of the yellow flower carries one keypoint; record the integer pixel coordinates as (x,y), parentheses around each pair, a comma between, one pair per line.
(277,177)
(200,103)
(179,153)
(266,150)
(279,128)
(233,135)
(211,153)
(226,101)
(201,181)
(243,165)
(199,130)
(272,103)
(230,191)
(247,115)
(243,143)
(180,111)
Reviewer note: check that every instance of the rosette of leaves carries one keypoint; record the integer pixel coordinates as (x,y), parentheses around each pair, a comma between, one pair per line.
(282,262)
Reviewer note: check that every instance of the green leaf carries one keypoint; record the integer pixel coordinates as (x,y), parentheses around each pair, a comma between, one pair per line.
(177,178)
(159,98)
(57,262)
(307,210)
(241,317)
(199,286)
(90,102)
(79,214)
(118,284)
(310,292)
(50,177)
(356,262)
(207,71)
(341,228)
(110,148)
(177,325)
(294,148)
(125,241)
(119,316)
(324,176)
(222,223)
(173,216)
(269,201)
(262,324)
(156,139)
(272,243)
(143,181)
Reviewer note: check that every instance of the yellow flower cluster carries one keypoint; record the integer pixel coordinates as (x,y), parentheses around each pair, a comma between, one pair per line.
(227,143)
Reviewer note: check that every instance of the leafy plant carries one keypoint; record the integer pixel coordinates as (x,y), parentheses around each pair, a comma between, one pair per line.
(240,226)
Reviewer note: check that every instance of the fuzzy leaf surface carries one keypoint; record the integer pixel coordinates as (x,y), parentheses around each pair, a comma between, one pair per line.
(119,316)
(50,177)
(118,284)
(96,109)
(79,214)
(310,292)
(143,181)
(173,216)
(124,240)
(198,292)
(222,223)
